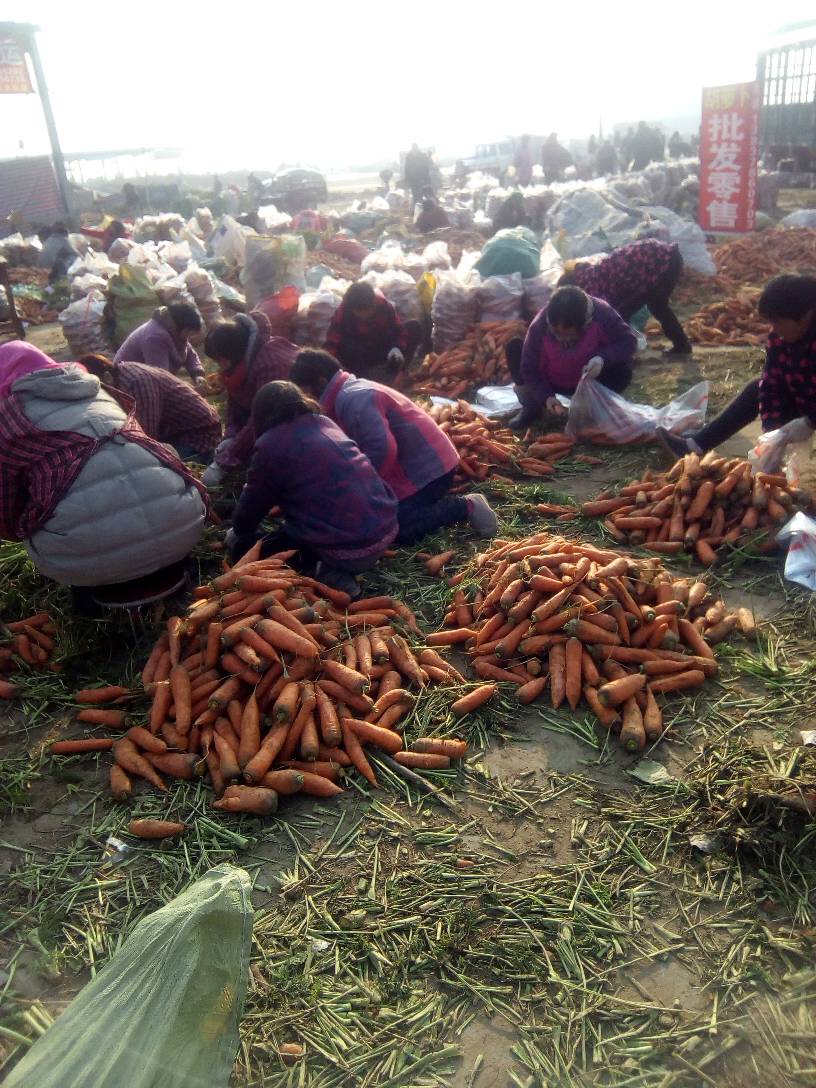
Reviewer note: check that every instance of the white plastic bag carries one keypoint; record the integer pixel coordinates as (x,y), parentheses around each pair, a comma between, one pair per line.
(453,310)
(598,413)
(401,291)
(800,564)
(496,400)
(228,241)
(501,298)
(773,453)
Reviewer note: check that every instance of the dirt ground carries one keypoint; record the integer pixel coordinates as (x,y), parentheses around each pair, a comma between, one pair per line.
(671,965)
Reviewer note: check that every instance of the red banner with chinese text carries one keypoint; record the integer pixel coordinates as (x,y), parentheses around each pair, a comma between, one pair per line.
(14,77)
(729,145)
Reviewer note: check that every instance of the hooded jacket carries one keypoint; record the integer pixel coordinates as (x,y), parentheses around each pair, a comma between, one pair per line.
(268,358)
(155,344)
(403,443)
(126,513)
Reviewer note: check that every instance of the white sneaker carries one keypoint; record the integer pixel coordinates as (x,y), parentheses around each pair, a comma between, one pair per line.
(481,516)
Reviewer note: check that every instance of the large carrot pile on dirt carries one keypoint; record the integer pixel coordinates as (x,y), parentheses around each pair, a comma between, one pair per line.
(478,359)
(588,623)
(271,684)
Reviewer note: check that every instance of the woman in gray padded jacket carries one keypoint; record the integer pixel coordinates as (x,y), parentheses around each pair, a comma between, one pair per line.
(92,497)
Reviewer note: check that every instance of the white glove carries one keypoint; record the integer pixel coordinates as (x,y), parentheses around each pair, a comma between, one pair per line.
(798,430)
(224,444)
(593,367)
(395,356)
(212,476)
(230,539)
(200,383)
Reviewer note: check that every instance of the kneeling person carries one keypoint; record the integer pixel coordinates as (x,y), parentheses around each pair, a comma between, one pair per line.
(338,513)
(407,448)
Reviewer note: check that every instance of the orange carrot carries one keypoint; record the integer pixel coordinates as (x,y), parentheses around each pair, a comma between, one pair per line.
(693,639)
(680,681)
(558,678)
(616,692)
(149,671)
(284,639)
(435,564)
(228,690)
(285,707)
(607,716)
(74,747)
(9,691)
(94,696)
(156,829)
(227,758)
(121,786)
(271,745)
(250,735)
(112,719)
(450,638)
(174,628)
(368,733)
(250,799)
(574,650)
(705,553)
(356,755)
(346,677)
(180,686)
(441,746)
(530,691)
(633,733)
(287,781)
(427,761)
(308,738)
(327,716)
(590,632)
(318,785)
(183,765)
(145,740)
(127,756)
(652,716)
(473,699)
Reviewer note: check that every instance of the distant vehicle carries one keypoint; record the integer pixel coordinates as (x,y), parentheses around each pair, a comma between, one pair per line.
(296,188)
(492,158)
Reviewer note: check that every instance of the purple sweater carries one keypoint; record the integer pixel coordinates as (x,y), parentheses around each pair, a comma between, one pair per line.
(401,440)
(547,367)
(153,344)
(330,495)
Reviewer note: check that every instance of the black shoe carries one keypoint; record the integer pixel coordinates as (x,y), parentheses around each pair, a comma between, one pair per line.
(677,351)
(674,446)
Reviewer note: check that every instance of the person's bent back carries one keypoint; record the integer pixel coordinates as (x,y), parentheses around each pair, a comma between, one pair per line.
(95,500)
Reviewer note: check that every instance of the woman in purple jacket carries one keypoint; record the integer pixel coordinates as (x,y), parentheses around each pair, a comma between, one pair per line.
(338,513)
(407,448)
(575,335)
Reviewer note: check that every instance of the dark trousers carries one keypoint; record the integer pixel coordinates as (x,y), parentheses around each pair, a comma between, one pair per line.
(430,509)
(742,410)
(657,302)
(306,558)
(615,377)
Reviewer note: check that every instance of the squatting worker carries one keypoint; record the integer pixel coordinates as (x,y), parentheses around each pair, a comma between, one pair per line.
(633,276)
(167,408)
(164,341)
(367,336)
(784,395)
(249,356)
(573,335)
(94,499)
(407,448)
(337,512)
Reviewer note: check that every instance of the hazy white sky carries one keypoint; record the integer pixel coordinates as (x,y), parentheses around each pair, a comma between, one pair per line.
(240,83)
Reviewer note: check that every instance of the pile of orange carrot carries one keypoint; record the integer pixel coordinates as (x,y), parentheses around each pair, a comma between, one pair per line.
(478,359)
(30,641)
(271,684)
(486,445)
(585,623)
(700,505)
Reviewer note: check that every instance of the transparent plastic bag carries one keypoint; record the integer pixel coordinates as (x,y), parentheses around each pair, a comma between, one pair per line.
(597,413)
(774,453)
(164,1012)
(800,564)
(401,291)
(501,298)
(272,264)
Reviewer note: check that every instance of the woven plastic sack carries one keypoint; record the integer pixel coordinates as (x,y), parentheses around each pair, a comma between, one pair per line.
(453,310)
(509,251)
(597,413)
(164,1012)
(133,300)
(83,325)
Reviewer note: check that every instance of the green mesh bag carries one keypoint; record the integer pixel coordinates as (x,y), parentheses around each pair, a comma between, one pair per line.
(164,1012)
